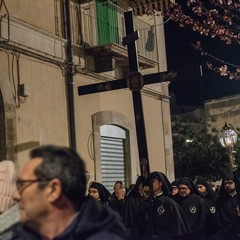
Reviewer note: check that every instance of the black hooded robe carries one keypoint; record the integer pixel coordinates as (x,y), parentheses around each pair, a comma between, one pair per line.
(196,211)
(211,199)
(160,217)
(227,213)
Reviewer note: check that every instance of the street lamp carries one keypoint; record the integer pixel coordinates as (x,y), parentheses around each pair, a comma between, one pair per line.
(228,138)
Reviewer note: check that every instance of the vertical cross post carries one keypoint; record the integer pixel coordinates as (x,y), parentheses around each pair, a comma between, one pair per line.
(136,94)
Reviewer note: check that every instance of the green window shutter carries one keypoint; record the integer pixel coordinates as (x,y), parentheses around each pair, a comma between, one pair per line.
(107,23)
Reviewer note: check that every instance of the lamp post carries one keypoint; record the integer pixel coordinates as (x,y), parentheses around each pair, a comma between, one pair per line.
(228,138)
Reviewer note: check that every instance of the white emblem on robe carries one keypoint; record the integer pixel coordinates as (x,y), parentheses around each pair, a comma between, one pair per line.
(212,209)
(160,210)
(193,209)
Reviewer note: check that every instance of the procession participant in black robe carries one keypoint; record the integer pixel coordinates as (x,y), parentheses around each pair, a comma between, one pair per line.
(160,217)
(174,185)
(227,210)
(175,196)
(118,202)
(195,209)
(133,201)
(206,191)
(98,192)
(210,196)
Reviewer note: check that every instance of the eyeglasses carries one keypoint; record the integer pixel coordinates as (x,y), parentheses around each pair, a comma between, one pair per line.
(23,184)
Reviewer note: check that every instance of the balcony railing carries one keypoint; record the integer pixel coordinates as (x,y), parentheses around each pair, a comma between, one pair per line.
(96,24)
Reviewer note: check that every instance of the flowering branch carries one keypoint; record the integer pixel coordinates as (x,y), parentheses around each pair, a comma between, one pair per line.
(223,70)
(207,22)
(214,18)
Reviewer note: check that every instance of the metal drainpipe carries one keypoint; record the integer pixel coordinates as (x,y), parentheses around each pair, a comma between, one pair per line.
(69,77)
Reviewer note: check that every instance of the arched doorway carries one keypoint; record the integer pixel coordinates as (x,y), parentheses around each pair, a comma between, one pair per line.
(113,128)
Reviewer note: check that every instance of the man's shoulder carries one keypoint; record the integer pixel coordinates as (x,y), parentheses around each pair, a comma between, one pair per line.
(11,233)
(98,221)
(94,210)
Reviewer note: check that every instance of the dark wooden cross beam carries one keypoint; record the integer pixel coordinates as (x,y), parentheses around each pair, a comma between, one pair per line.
(135,83)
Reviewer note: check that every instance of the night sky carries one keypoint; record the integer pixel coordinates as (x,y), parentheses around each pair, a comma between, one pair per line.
(181,54)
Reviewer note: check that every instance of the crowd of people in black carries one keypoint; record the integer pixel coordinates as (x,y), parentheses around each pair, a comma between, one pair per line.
(184,209)
(52,204)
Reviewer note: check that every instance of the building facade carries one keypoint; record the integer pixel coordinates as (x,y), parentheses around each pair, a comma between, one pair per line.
(221,110)
(47,50)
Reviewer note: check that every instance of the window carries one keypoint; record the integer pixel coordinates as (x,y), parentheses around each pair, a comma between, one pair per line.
(113,155)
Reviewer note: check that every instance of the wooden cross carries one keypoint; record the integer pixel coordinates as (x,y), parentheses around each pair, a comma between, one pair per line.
(135,83)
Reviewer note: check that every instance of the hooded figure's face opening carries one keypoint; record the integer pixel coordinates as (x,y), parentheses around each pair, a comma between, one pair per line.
(183,190)
(156,186)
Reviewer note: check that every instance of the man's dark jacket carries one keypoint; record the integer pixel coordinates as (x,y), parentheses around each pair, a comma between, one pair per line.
(94,221)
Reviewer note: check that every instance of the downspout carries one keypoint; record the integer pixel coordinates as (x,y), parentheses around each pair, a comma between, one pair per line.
(69,77)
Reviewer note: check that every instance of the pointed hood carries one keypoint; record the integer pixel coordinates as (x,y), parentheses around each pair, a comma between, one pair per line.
(204,182)
(166,185)
(188,182)
(104,194)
